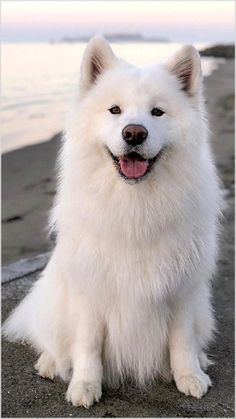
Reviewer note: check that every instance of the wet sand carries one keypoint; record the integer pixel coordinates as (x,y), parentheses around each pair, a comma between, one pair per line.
(28,174)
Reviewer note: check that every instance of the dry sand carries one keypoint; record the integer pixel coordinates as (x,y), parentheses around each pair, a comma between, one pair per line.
(28,175)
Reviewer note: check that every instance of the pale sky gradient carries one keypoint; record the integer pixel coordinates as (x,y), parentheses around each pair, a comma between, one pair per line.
(192,21)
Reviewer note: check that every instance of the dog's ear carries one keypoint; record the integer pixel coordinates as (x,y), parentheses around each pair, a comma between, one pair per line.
(186,66)
(98,57)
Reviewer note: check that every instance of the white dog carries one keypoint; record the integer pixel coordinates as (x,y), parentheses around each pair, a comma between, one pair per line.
(126,293)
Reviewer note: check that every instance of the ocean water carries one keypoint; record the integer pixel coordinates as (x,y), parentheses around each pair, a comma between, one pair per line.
(40,82)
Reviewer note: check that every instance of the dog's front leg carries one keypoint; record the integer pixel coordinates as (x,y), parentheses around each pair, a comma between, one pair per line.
(184,360)
(86,384)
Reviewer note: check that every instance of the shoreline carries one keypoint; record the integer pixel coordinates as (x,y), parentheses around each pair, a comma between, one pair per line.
(29,176)
(26,123)
(44,141)
(204,53)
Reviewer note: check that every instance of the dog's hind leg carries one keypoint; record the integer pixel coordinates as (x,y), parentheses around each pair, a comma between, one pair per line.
(205,327)
(49,367)
(46,366)
(205,362)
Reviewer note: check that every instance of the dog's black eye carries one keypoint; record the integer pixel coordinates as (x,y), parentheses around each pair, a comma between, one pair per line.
(115,110)
(157,112)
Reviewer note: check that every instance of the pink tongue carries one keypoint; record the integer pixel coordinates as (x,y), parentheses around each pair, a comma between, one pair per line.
(133,168)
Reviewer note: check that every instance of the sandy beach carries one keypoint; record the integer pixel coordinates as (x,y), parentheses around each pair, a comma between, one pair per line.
(29,177)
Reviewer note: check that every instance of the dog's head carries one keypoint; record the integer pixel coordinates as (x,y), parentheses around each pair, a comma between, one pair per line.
(135,114)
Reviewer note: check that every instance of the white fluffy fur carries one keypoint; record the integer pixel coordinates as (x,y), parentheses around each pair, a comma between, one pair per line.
(127,290)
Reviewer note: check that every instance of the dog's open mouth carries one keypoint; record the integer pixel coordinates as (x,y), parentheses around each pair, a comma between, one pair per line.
(133,165)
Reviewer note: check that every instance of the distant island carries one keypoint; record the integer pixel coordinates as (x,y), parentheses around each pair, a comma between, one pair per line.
(117,37)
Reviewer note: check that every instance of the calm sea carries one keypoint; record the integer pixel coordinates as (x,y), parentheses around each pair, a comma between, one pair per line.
(39,83)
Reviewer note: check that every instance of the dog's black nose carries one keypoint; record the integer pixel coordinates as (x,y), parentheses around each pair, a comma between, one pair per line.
(134,134)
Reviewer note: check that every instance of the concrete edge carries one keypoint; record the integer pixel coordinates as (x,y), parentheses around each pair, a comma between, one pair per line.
(24,267)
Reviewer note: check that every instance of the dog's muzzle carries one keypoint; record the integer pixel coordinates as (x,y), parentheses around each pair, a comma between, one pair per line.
(133,166)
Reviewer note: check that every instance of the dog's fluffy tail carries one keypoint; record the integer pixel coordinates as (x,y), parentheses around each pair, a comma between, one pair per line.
(26,321)
(37,319)
(17,326)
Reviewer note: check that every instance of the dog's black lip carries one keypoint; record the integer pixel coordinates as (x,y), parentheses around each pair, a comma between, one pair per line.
(136,156)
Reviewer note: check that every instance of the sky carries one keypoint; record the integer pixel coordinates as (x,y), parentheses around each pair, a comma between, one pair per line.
(179,21)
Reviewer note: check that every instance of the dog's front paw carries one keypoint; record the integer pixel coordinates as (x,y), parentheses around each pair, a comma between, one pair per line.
(195,385)
(82,393)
